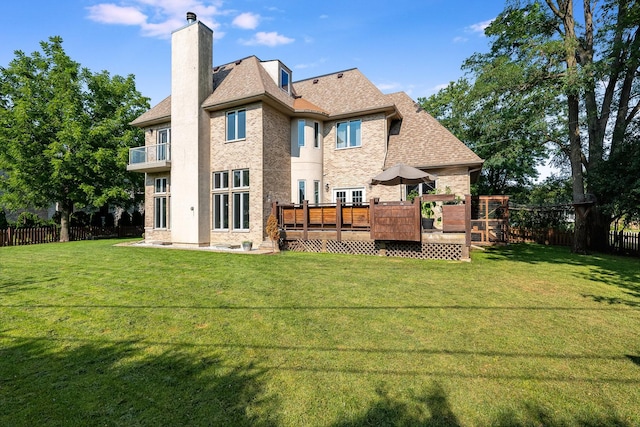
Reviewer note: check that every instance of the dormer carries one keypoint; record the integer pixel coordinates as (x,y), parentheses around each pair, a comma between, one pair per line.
(280,74)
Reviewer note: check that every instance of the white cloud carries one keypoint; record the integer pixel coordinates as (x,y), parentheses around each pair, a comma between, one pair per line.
(156,18)
(271,39)
(479,27)
(310,65)
(438,88)
(324,16)
(109,13)
(246,21)
(460,39)
(388,86)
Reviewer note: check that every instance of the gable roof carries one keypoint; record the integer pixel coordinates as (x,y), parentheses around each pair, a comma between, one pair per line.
(161,112)
(241,81)
(343,93)
(421,141)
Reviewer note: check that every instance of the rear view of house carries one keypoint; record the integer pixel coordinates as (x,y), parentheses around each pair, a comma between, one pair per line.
(234,138)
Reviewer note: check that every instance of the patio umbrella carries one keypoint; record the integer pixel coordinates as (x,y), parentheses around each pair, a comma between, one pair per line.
(402,174)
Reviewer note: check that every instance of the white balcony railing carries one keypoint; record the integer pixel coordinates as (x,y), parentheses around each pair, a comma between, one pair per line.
(150,158)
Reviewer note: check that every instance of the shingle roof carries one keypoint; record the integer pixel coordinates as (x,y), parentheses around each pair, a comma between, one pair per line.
(243,79)
(421,141)
(159,113)
(418,140)
(343,93)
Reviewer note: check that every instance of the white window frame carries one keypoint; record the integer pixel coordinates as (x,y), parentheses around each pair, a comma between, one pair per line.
(301,129)
(236,128)
(240,200)
(221,211)
(161,204)
(242,178)
(285,83)
(302,190)
(349,193)
(316,134)
(220,180)
(348,143)
(316,192)
(241,204)
(162,146)
(220,200)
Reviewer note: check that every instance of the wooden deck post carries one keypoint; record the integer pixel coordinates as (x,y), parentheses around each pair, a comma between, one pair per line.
(339,220)
(467,220)
(305,219)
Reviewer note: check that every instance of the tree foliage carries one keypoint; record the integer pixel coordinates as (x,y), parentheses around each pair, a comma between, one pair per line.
(575,69)
(64,133)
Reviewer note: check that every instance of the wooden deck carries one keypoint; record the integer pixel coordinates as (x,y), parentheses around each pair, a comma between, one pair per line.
(383,221)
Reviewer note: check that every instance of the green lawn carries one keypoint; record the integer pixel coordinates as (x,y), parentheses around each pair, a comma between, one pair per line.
(97,334)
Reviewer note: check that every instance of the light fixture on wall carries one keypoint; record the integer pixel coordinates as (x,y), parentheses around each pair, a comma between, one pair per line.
(326,187)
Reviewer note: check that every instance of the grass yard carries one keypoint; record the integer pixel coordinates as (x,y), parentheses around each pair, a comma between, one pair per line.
(97,334)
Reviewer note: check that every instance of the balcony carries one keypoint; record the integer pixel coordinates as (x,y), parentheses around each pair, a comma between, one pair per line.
(150,158)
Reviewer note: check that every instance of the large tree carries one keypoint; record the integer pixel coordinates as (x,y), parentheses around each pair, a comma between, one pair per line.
(586,57)
(64,133)
(503,125)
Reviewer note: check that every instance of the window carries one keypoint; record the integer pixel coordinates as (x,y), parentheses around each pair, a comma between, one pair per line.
(164,138)
(302,191)
(240,178)
(160,204)
(316,192)
(223,195)
(348,134)
(285,77)
(316,135)
(221,211)
(220,180)
(241,200)
(348,196)
(221,201)
(236,125)
(422,188)
(301,124)
(241,211)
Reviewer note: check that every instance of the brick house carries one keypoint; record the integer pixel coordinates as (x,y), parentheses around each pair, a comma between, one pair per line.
(233,138)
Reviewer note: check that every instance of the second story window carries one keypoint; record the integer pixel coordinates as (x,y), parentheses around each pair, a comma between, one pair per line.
(162,148)
(301,124)
(236,125)
(316,134)
(348,134)
(285,80)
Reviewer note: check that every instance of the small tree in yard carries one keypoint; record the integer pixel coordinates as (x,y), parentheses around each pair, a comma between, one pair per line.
(272,230)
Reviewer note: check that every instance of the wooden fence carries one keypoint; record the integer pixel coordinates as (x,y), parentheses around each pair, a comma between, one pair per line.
(544,237)
(626,242)
(35,235)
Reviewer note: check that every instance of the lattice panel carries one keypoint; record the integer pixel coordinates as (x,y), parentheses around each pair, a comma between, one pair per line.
(352,247)
(445,251)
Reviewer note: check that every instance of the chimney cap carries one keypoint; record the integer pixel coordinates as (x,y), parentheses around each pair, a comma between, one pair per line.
(191,17)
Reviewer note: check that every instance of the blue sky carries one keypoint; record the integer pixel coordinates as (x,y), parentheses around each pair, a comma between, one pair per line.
(414,46)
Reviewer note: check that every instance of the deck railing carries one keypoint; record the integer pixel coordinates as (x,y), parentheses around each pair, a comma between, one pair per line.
(383,220)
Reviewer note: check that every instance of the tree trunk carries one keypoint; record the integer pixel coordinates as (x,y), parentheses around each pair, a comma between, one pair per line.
(598,230)
(67,209)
